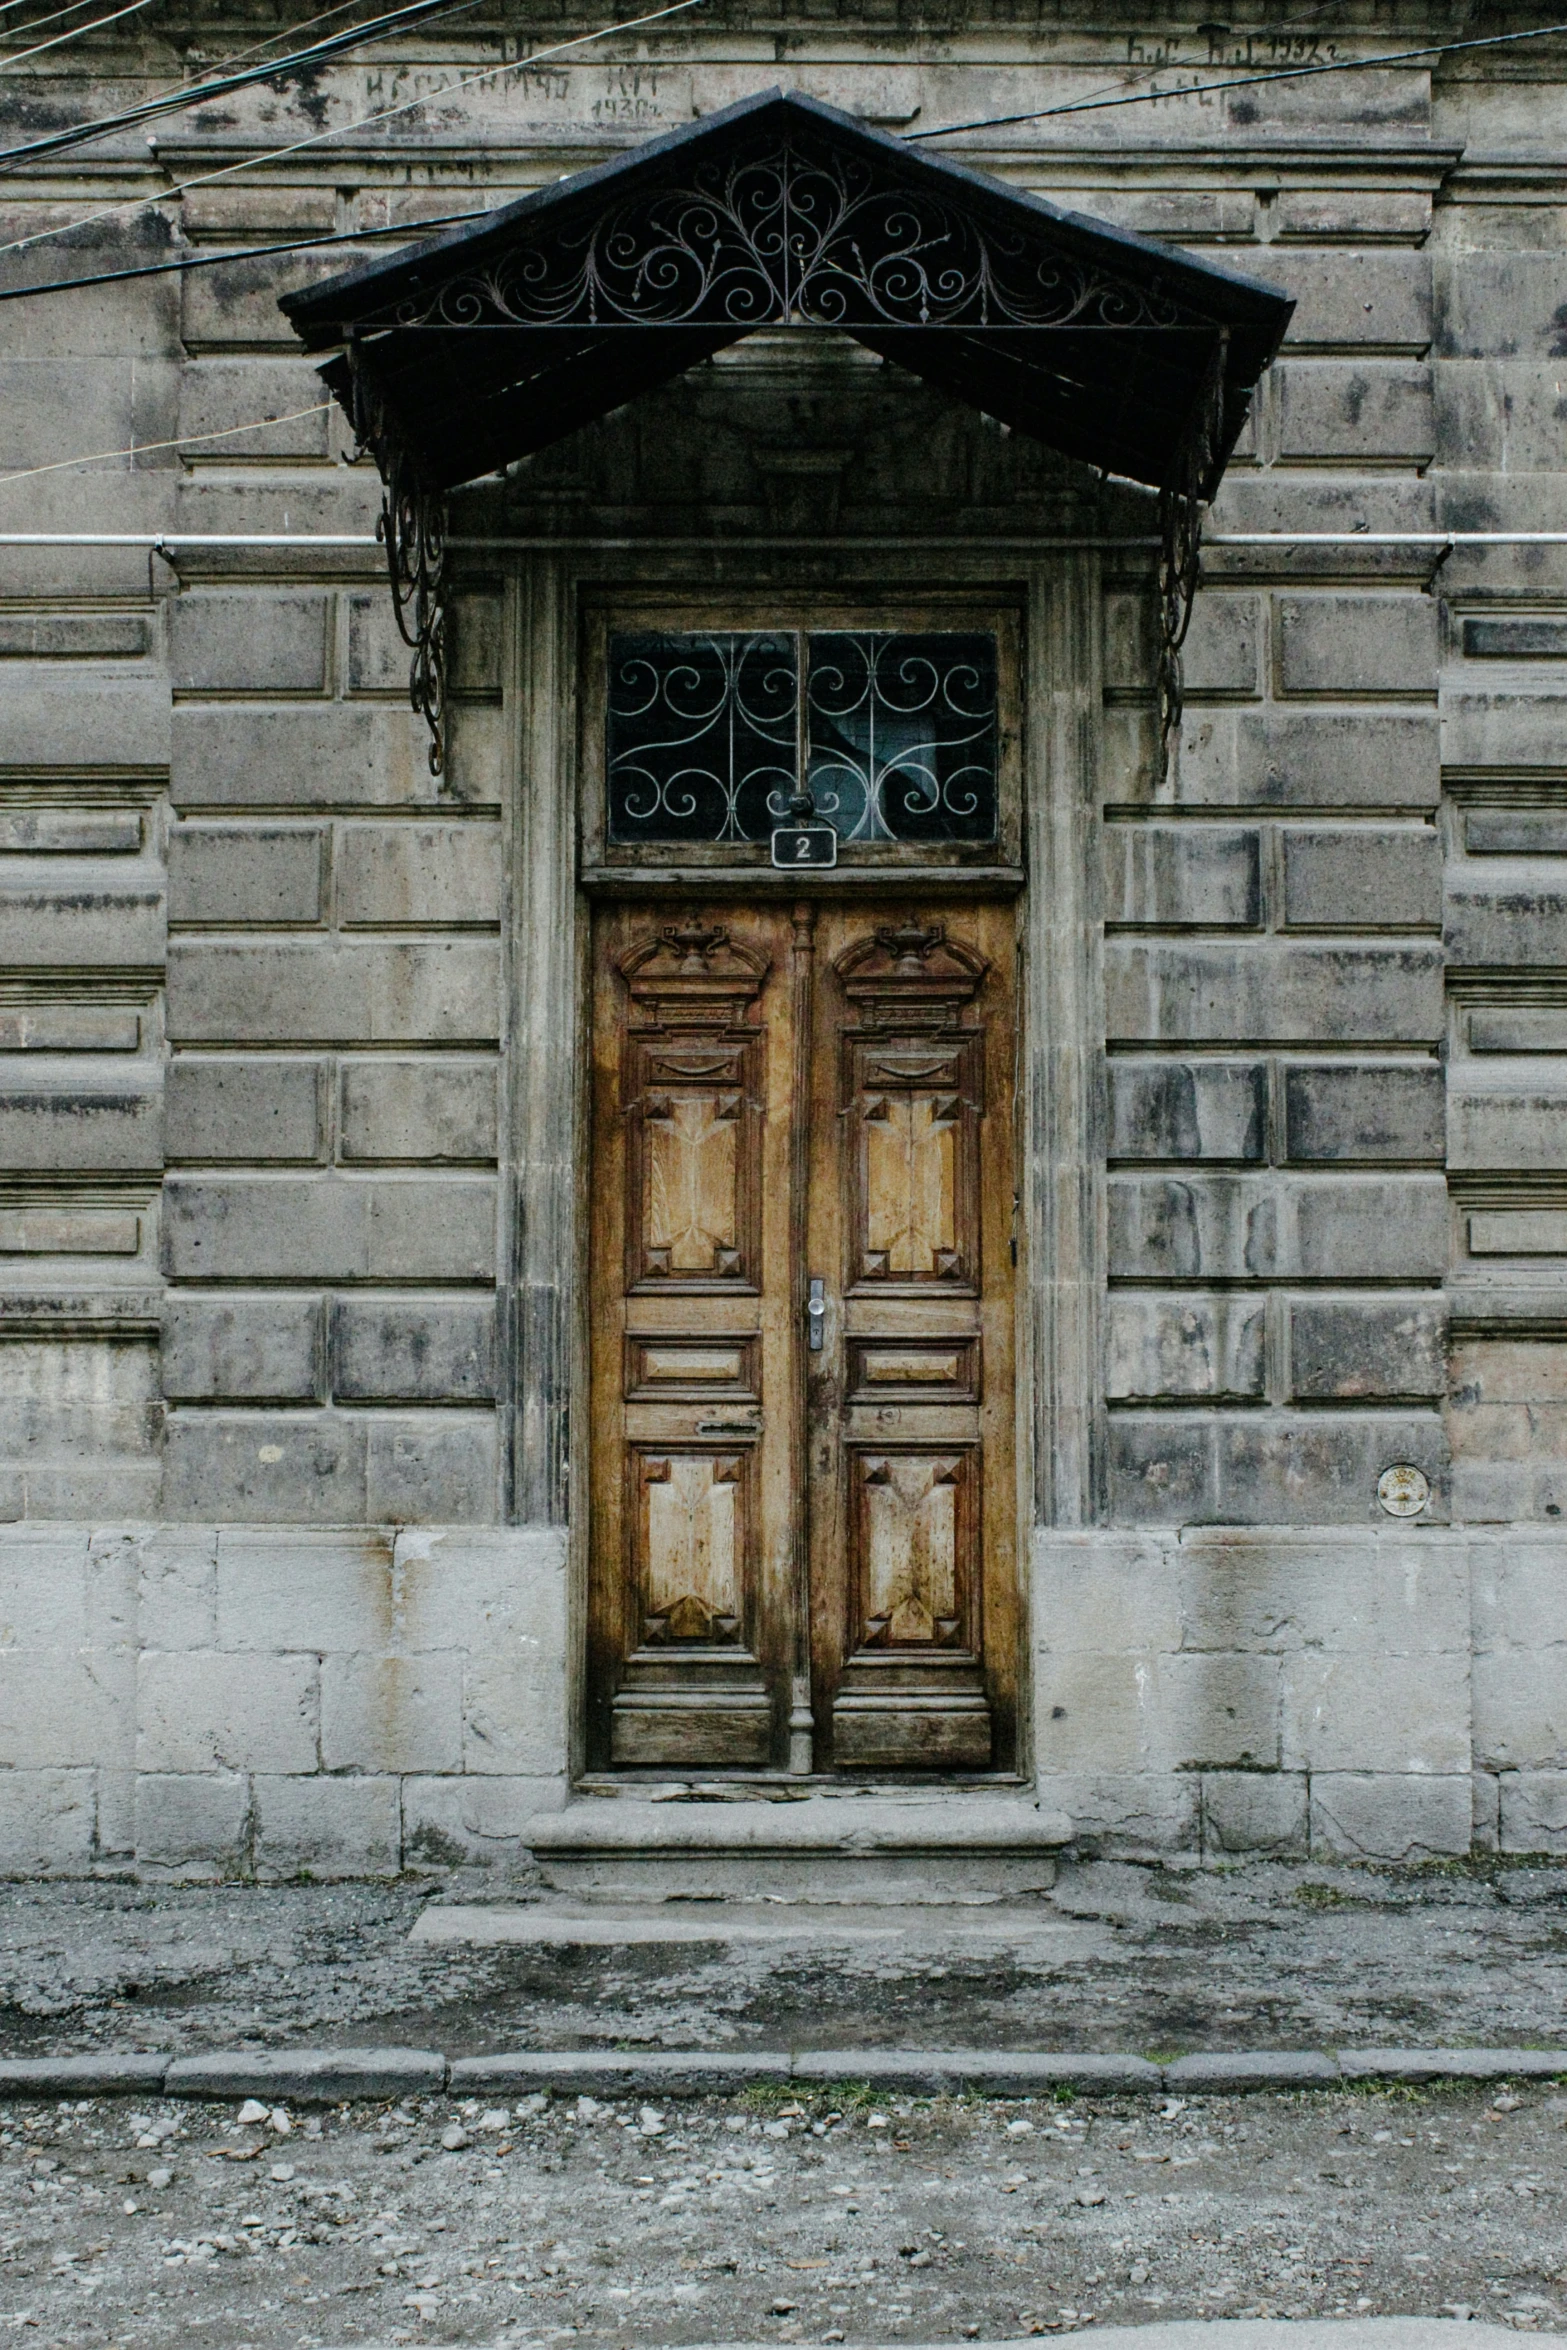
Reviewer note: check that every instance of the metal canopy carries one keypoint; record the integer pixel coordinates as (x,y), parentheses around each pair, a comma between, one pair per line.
(480,346)
(494,340)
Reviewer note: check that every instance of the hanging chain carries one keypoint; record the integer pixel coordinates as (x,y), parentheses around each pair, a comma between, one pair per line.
(412,528)
(1180,537)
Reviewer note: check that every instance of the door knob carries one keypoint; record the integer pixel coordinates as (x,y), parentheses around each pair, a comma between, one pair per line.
(816,1315)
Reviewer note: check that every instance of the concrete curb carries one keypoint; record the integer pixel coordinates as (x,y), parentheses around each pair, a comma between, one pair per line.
(333,2076)
(312,2076)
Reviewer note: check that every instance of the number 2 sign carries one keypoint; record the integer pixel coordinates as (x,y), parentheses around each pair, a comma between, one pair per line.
(798,845)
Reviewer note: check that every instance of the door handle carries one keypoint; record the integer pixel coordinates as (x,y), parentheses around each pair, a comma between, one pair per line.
(816,1315)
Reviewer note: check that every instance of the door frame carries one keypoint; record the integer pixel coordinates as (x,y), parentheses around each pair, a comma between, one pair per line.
(545,1111)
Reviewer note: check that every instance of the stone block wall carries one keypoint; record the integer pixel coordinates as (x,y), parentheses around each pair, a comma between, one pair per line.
(243,1700)
(331,1218)
(1277,1209)
(261,1027)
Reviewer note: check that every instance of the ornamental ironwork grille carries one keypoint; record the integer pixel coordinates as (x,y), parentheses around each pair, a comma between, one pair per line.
(708,734)
(780,235)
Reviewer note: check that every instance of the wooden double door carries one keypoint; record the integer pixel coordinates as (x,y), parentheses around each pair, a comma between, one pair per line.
(803,1515)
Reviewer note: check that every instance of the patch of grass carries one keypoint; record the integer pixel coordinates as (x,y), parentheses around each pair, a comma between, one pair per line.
(1315,1895)
(767,2096)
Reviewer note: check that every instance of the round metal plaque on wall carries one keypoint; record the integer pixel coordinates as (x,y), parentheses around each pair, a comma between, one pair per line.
(1403,1490)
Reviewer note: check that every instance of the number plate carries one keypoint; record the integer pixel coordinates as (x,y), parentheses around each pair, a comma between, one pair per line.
(799,845)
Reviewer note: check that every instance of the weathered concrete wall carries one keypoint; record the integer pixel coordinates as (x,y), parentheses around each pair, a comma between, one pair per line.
(261,1035)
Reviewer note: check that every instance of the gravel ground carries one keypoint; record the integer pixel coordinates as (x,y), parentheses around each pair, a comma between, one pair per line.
(829,2218)
(1126,1958)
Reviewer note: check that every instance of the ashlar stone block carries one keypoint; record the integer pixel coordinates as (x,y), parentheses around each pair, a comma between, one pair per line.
(327,1826)
(283,1591)
(350,991)
(58,1707)
(1353,1349)
(1183,1346)
(82,1125)
(266,1468)
(216,394)
(439,1469)
(1533,1808)
(1349,300)
(1173,876)
(1192,1228)
(263,1349)
(1191,991)
(1281,756)
(1105,1591)
(1360,1228)
(1255,1811)
(418,875)
(1222,654)
(412,1110)
(1345,644)
(324,754)
(210,1711)
(1302,1469)
(1373,1115)
(1396,1816)
(65,915)
(193,1820)
(413,1349)
(1509,915)
(392,1713)
(1162,1468)
(46,1822)
(237,873)
(1520,1710)
(1368,411)
(1195,1109)
(331,1228)
(1362,1713)
(264,641)
(1506,1125)
(1361,877)
(225,1108)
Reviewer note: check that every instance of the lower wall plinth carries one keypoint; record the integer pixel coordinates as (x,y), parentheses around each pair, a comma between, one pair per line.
(278,1702)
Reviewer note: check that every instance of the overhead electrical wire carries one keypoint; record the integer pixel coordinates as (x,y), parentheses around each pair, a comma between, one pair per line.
(38,23)
(361,122)
(188,440)
(77,32)
(359,236)
(1249,81)
(220,83)
(182,262)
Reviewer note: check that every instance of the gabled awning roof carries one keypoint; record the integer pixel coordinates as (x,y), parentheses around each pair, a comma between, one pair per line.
(486,343)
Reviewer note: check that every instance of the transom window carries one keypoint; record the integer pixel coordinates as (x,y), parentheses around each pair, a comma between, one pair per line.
(714,737)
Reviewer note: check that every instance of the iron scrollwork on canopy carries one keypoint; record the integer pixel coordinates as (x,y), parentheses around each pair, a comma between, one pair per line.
(775,235)
(1180,539)
(412,528)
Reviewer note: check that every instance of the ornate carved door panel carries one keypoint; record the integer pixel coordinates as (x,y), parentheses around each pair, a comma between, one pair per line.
(803,1488)
(913,1486)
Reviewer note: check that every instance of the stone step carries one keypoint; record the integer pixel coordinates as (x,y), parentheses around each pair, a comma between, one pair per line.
(907,1850)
